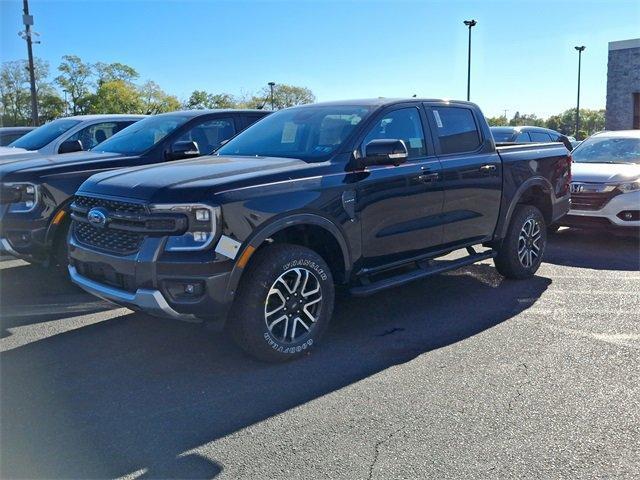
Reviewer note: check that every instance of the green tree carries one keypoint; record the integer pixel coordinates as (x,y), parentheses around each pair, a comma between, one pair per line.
(108,72)
(50,105)
(497,121)
(15,98)
(286,96)
(75,79)
(115,96)
(154,100)
(530,119)
(199,99)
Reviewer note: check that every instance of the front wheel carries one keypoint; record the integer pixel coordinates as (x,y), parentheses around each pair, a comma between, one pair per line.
(520,253)
(284,303)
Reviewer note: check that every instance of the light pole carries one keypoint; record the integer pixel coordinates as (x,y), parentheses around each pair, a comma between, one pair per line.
(470,24)
(28,22)
(271,85)
(580,50)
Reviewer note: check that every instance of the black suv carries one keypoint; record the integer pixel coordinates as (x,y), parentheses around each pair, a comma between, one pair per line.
(35,193)
(365,194)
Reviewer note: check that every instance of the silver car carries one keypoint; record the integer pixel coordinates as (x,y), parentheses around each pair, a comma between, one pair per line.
(68,134)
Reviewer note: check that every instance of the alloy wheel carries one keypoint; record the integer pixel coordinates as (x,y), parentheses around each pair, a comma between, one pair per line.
(529,243)
(293,304)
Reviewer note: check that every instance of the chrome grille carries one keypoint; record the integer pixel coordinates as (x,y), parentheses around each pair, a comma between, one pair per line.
(591,200)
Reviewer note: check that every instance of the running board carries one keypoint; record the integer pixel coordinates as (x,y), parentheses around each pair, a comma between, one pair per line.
(425,270)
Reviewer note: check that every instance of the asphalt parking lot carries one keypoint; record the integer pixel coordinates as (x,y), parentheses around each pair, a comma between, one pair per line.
(463,375)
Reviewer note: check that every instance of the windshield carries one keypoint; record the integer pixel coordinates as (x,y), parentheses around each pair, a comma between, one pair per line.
(608,150)
(502,135)
(312,133)
(141,136)
(45,134)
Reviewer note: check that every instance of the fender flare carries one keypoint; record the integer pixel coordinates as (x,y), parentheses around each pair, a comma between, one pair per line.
(529,183)
(273,227)
(52,229)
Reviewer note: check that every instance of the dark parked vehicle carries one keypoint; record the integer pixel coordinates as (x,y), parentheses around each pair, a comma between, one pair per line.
(10,134)
(525,134)
(365,194)
(35,193)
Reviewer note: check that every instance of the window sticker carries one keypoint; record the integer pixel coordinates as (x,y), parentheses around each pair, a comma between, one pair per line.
(436,115)
(415,142)
(289,133)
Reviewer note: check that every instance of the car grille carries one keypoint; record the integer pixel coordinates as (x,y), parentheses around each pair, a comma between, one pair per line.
(104,273)
(114,241)
(110,240)
(591,200)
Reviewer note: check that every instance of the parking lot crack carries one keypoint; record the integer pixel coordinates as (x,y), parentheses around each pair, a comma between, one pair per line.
(520,388)
(377,447)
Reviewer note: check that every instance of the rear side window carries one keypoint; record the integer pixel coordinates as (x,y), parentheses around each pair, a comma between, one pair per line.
(97,133)
(403,124)
(540,137)
(523,138)
(457,130)
(210,134)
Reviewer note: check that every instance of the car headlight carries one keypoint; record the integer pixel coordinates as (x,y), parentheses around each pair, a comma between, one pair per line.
(629,187)
(21,197)
(201,230)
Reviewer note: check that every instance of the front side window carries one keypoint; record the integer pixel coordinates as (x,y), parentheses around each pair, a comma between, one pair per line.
(310,133)
(403,124)
(141,136)
(456,129)
(540,137)
(97,133)
(502,135)
(209,135)
(41,136)
(608,150)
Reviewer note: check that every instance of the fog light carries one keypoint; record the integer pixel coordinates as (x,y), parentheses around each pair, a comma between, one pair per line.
(202,215)
(189,288)
(200,236)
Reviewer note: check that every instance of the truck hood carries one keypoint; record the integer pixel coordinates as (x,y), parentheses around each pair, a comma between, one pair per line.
(191,180)
(39,165)
(604,172)
(15,152)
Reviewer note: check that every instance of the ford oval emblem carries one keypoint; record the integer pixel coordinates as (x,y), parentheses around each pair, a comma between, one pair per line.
(97,217)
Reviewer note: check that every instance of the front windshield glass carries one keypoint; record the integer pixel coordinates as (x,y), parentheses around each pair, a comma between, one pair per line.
(45,134)
(502,135)
(608,150)
(312,133)
(141,136)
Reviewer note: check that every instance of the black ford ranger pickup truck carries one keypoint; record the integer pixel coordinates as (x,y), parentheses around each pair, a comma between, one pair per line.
(35,193)
(364,194)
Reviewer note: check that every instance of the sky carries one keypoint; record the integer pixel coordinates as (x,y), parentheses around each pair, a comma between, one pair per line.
(522,50)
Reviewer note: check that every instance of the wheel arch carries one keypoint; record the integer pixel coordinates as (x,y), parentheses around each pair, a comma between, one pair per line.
(536,191)
(288,229)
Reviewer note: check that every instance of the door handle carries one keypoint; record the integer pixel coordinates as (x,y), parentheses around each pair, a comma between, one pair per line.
(428,177)
(488,168)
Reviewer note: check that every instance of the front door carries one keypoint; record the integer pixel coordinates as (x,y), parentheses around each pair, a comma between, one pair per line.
(400,206)
(471,174)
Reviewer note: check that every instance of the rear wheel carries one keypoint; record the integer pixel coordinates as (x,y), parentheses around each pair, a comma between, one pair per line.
(284,303)
(520,253)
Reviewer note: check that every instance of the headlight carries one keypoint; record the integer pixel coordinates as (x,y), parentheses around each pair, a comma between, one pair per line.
(202,221)
(629,187)
(21,197)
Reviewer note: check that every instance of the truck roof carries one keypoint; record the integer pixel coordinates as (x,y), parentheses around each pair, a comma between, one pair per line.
(382,101)
(196,113)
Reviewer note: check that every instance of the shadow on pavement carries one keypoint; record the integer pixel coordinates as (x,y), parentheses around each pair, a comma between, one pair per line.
(594,249)
(137,393)
(31,294)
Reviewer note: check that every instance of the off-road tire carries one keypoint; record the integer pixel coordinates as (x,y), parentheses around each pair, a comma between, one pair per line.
(248,322)
(508,261)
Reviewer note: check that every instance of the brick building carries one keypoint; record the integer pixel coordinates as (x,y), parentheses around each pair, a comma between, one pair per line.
(623,85)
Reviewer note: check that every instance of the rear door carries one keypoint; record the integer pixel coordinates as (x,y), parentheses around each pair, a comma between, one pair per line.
(471,173)
(400,205)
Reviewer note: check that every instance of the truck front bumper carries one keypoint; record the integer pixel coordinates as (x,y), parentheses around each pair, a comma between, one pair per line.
(185,286)
(150,301)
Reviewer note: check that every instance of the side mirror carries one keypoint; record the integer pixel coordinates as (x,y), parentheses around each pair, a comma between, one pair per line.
(184,149)
(385,152)
(69,146)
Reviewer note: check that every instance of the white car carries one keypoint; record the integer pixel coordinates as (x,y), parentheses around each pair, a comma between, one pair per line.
(605,188)
(65,135)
